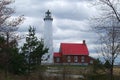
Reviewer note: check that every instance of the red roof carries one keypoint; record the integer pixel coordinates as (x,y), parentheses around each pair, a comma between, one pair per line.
(57,54)
(74,49)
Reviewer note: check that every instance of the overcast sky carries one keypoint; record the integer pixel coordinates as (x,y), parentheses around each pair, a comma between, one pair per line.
(70,20)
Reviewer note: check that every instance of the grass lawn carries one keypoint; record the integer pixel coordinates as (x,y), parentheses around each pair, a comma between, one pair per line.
(86,71)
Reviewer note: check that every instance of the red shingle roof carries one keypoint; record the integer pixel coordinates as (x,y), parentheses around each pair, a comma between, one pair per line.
(74,49)
(57,54)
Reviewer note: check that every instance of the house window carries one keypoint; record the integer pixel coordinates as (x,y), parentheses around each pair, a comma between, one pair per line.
(57,59)
(75,58)
(82,59)
(91,61)
(68,59)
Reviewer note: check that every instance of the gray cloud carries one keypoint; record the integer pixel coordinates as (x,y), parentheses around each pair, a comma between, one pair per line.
(60,8)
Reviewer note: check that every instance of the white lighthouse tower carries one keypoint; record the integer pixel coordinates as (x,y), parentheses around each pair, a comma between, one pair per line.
(48,36)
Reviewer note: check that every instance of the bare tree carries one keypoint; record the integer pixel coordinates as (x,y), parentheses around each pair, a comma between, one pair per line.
(8,25)
(107,25)
(8,28)
(109,9)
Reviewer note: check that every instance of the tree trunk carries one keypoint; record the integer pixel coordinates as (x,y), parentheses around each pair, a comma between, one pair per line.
(111,71)
(7,56)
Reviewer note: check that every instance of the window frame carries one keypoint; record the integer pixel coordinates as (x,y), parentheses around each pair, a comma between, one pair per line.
(82,59)
(68,58)
(76,59)
(57,59)
(91,61)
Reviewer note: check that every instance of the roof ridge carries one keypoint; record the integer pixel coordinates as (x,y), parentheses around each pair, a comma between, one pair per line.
(71,43)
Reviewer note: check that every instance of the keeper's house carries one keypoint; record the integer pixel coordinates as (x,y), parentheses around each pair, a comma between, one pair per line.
(73,54)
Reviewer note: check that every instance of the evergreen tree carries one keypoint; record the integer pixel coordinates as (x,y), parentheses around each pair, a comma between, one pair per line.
(8,28)
(97,65)
(15,59)
(39,52)
(33,50)
(17,62)
(2,56)
(107,64)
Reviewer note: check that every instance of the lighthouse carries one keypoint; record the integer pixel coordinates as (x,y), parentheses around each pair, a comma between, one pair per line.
(48,36)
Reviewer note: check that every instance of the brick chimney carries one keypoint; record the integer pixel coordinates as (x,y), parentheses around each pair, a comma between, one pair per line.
(84,42)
